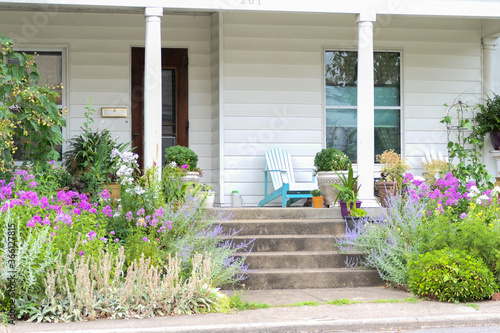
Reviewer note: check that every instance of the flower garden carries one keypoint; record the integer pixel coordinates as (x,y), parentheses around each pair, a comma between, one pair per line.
(440,241)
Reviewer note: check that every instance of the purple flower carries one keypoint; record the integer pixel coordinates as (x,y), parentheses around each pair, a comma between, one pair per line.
(141,211)
(116,240)
(185,166)
(104,194)
(168,224)
(111,232)
(81,253)
(91,235)
(463,216)
(145,239)
(34,220)
(33,184)
(103,239)
(129,216)
(107,211)
(52,162)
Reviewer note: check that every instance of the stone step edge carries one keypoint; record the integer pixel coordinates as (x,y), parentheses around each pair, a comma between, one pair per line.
(297,253)
(314,236)
(309,270)
(287,221)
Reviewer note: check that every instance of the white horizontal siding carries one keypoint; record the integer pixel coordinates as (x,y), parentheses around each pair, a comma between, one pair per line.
(273,84)
(99,64)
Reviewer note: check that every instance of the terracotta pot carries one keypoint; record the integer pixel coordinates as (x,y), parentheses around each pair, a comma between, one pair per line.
(495,140)
(317,202)
(385,191)
(113,189)
(344,211)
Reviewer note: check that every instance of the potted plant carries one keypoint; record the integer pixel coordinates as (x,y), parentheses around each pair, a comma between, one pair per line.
(186,159)
(206,196)
(328,162)
(88,157)
(347,191)
(354,215)
(392,173)
(488,120)
(317,199)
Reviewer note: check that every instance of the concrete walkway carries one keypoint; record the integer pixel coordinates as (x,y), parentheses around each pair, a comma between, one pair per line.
(368,315)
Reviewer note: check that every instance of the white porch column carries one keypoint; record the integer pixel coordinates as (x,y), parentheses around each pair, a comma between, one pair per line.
(152,87)
(489,48)
(366,113)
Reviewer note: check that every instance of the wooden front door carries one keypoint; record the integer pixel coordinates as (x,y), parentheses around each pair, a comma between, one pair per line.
(175,124)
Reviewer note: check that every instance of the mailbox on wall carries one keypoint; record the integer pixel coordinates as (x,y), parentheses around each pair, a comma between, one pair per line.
(114,112)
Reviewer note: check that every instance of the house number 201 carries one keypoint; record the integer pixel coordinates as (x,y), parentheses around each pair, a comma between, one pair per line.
(250,2)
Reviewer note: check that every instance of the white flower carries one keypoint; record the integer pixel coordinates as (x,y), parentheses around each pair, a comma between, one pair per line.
(139,190)
(173,164)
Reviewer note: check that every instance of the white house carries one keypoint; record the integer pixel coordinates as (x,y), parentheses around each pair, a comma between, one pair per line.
(233,78)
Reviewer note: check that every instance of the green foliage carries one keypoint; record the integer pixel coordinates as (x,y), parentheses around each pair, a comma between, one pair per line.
(237,302)
(342,301)
(477,234)
(347,190)
(357,212)
(488,119)
(393,166)
(182,156)
(28,112)
(468,145)
(88,156)
(331,159)
(173,188)
(451,276)
(316,193)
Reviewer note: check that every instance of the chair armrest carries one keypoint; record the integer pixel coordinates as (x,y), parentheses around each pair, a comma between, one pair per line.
(313,178)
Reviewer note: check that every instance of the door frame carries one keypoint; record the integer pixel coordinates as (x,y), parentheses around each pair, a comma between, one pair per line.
(177,59)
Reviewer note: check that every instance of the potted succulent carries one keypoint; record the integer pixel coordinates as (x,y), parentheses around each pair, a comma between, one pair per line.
(186,159)
(488,120)
(347,191)
(328,163)
(317,199)
(392,173)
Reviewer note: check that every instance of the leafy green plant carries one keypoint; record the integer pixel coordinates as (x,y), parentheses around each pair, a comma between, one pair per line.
(306,303)
(331,159)
(88,157)
(182,156)
(467,146)
(436,169)
(357,212)
(450,276)
(316,193)
(28,112)
(237,302)
(488,119)
(347,189)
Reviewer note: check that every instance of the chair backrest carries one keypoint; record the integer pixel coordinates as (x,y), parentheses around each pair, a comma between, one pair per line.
(279,159)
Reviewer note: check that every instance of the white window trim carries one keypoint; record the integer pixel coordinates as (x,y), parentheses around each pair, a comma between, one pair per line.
(324,49)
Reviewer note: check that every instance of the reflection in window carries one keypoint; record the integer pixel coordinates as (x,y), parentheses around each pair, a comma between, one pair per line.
(50,67)
(341,101)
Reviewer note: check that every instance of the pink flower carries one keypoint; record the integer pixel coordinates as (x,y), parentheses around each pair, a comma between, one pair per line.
(107,211)
(52,162)
(81,253)
(116,240)
(145,239)
(91,235)
(111,232)
(185,166)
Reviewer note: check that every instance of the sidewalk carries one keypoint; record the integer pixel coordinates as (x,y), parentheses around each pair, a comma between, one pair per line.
(322,318)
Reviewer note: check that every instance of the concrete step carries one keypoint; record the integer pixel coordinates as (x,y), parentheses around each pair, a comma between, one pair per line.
(286,227)
(273,243)
(299,260)
(312,278)
(260,213)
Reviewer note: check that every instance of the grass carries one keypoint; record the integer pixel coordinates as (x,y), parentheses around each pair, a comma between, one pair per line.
(342,301)
(236,302)
(473,305)
(406,300)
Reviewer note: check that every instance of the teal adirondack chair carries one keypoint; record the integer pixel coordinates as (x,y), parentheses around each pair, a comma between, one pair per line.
(279,167)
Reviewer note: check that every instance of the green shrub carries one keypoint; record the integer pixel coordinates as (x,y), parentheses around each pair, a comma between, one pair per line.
(181,156)
(451,276)
(331,159)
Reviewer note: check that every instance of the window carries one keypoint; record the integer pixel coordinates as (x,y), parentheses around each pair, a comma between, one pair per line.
(50,67)
(341,101)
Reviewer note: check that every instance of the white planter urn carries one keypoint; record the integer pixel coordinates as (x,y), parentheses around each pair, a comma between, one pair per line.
(191,176)
(325,181)
(207,198)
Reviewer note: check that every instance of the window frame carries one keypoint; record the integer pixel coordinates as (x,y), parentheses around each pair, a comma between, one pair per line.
(377,166)
(65,82)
